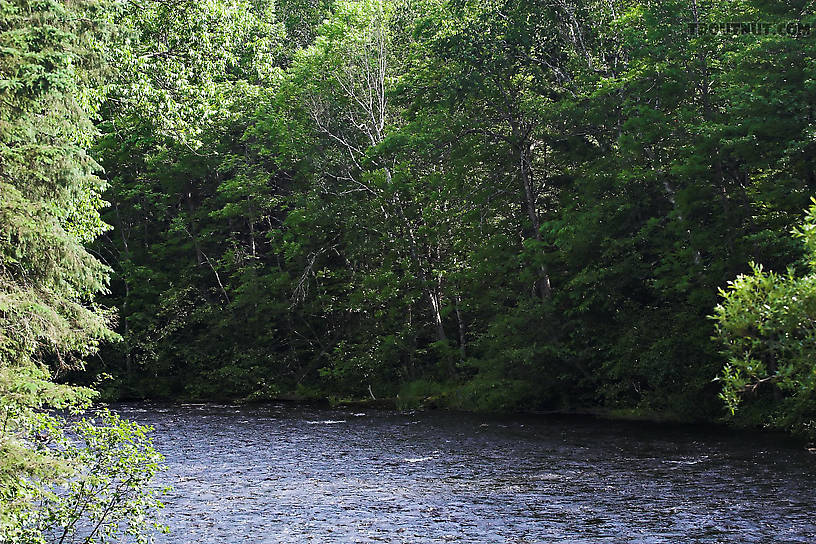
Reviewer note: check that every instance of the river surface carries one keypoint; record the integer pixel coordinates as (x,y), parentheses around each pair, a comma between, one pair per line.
(293,474)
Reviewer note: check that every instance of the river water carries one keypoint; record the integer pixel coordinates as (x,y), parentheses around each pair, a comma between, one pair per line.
(288,473)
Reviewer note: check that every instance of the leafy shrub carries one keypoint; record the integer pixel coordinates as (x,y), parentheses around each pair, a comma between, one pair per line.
(767,325)
(91,482)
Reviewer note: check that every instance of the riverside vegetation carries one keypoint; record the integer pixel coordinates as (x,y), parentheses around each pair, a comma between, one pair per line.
(504,205)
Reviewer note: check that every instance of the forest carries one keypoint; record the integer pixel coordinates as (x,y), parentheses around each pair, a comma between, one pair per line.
(577,206)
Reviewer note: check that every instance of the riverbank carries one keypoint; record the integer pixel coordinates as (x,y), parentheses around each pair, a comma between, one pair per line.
(439,403)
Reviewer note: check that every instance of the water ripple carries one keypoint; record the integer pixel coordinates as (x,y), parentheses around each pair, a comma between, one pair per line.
(284,474)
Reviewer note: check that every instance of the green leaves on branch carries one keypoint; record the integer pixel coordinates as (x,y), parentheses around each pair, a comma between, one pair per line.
(87,480)
(767,325)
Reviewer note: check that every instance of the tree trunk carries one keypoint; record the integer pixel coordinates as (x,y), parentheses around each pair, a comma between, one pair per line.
(437,315)
(457,303)
(543,287)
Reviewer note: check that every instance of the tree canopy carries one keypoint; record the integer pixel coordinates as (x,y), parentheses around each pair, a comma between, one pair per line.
(511,205)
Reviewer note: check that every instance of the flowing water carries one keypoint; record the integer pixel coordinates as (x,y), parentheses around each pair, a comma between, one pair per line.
(288,473)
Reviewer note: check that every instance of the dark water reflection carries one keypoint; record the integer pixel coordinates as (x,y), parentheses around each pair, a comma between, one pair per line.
(296,474)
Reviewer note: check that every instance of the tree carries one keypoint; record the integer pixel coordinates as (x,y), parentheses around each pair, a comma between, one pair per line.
(49,202)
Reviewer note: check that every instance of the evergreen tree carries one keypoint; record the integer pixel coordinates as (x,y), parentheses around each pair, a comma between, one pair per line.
(49,208)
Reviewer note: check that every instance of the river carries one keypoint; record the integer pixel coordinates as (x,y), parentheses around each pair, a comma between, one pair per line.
(293,474)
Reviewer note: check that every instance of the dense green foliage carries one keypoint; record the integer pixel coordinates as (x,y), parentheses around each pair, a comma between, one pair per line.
(58,480)
(766,322)
(496,206)
(502,205)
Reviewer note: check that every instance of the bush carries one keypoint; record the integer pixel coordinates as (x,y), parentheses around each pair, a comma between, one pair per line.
(767,324)
(64,478)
